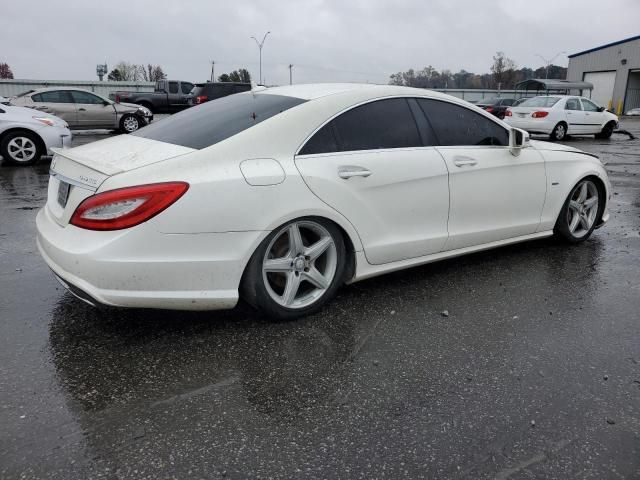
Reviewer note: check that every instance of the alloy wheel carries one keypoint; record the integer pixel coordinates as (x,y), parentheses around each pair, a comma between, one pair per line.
(583,208)
(560,132)
(22,149)
(131,124)
(300,264)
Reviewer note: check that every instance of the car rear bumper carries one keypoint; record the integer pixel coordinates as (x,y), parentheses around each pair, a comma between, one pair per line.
(531,125)
(143,268)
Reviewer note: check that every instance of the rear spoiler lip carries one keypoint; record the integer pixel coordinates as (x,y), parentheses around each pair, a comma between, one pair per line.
(85,162)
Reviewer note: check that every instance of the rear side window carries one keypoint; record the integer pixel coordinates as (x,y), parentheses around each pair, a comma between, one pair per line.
(457,125)
(54,96)
(173,87)
(217,120)
(380,124)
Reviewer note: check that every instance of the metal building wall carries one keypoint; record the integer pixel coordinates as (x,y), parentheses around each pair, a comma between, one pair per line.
(10,88)
(607,59)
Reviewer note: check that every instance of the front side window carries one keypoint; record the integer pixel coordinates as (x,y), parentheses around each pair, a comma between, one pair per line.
(186,87)
(377,125)
(457,125)
(572,104)
(589,106)
(217,120)
(53,96)
(173,87)
(86,97)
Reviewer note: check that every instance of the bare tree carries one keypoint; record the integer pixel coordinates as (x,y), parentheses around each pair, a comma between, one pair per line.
(502,70)
(5,71)
(152,73)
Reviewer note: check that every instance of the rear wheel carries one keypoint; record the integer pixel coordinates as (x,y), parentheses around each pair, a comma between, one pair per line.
(607,131)
(580,211)
(296,269)
(129,123)
(559,132)
(21,148)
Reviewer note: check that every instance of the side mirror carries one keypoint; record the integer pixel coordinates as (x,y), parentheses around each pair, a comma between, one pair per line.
(518,139)
(601,109)
(106,102)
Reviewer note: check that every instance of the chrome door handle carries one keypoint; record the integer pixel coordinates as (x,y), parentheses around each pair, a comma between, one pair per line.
(460,161)
(349,171)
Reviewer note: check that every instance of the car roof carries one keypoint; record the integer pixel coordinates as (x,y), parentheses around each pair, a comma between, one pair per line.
(49,89)
(312,91)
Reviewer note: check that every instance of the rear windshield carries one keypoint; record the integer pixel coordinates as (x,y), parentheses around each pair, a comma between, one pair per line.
(540,102)
(214,121)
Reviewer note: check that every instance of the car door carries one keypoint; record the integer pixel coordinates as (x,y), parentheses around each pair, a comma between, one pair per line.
(494,195)
(594,118)
(185,90)
(174,96)
(369,164)
(58,103)
(92,111)
(575,115)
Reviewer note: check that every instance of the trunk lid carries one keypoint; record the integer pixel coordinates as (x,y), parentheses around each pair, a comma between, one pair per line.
(77,173)
(525,112)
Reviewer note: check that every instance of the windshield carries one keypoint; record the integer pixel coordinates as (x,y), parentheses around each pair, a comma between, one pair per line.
(540,102)
(210,123)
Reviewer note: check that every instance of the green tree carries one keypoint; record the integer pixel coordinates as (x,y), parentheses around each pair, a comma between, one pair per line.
(241,75)
(5,71)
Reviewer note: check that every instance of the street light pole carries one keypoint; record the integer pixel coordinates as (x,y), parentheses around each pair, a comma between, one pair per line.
(260,44)
(548,62)
(213,63)
(290,74)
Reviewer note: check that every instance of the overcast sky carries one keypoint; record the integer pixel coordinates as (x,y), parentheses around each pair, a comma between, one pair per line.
(362,40)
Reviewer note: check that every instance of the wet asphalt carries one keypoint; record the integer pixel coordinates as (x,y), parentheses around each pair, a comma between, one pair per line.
(534,373)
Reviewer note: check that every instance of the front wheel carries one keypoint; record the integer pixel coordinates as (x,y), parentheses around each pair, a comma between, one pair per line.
(21,148)
(580,211)
(129,123)
(296,269)
(559,132)
(607,131)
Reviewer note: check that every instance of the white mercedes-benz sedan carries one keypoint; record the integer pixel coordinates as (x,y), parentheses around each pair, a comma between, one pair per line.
(279,196)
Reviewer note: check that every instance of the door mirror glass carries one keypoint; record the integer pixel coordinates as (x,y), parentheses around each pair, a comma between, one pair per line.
(518,139)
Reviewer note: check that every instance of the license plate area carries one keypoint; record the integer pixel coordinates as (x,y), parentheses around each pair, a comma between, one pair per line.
(63,193)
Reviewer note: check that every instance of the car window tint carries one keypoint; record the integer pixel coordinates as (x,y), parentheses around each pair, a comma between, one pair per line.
(323,141)
(507,101)
(217,120)
(589,106)
(53,96)
(457,125)
(572,104)
(173,87)
(85,97)
(380,124)
(186,87)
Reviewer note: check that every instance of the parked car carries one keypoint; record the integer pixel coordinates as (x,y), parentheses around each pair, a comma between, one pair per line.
(205,92)
(281,195)
(84,110)
(496,106)
(562,115)
(26,135)
(633,112)
(169,96)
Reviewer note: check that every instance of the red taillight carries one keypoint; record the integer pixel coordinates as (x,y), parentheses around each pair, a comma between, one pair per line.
(117,98)
(126,207)
(508,113)
(539,114)
(489,109)
(201,99)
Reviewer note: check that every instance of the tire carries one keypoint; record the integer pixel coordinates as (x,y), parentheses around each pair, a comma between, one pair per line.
(607,131)
(286,285)
(559,132)
(581,211)
(129,123)
(21,148)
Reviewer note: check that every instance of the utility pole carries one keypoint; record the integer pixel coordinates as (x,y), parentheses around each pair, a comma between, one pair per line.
(213,65)
(260,45)
(290,74)
(548,62)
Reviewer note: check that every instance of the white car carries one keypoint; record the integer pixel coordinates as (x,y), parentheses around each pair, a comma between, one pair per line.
(633,112)
(26,135)
(280,195)
(559,116)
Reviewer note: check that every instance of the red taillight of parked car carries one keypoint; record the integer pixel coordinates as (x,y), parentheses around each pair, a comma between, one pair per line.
(508,113)
(541,114)
(489,109)
(117,98)
(201,99)
(126,207)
